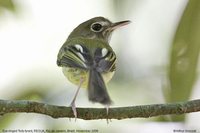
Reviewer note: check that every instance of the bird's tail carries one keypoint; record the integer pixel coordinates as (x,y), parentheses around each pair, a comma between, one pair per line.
(97,91)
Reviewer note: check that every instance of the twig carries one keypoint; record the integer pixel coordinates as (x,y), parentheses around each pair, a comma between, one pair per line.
(143,111)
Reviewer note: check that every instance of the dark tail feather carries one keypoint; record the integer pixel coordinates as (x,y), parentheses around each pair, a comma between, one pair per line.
(97,91)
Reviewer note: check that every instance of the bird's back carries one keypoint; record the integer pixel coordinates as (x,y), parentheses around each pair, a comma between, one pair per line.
(77,56)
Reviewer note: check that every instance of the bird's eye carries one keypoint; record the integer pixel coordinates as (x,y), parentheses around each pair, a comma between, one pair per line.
(96,27)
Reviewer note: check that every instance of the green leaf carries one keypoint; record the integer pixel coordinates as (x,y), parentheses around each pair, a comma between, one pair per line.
(184,55)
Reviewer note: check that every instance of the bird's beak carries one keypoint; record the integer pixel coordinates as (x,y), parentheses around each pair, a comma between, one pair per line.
(118,24)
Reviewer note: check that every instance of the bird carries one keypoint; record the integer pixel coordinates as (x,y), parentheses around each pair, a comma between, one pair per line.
(87,59)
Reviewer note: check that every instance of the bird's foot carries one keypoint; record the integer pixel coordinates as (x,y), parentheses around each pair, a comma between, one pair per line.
(107,111)
(73,106)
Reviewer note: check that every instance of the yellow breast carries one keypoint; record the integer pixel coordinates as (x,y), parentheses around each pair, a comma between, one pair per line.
(74,75)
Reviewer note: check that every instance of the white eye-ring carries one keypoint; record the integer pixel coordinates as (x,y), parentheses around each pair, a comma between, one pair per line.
(104,51)
(96,27)
(79,47)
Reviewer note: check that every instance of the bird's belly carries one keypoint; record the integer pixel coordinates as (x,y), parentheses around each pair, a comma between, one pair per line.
(74,75)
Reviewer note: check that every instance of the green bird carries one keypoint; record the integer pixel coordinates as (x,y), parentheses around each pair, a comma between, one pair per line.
(87,60)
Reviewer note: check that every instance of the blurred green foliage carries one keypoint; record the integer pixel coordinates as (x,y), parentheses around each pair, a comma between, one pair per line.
(184,56)
(183,60)
(8,5)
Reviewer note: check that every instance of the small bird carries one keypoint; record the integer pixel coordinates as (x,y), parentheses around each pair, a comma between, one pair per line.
(87,60)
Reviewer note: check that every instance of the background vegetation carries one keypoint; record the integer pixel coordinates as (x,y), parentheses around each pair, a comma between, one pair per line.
(158,59)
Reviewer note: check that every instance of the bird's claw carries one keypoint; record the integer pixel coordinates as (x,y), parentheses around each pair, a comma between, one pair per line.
(74,110)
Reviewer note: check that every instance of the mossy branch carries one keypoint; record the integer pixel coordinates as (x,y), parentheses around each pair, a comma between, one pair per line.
(143,111)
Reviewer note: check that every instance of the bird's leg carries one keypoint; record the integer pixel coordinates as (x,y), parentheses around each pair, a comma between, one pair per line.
(74,99)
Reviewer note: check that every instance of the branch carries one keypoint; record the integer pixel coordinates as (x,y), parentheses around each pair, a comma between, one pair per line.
(143,111)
